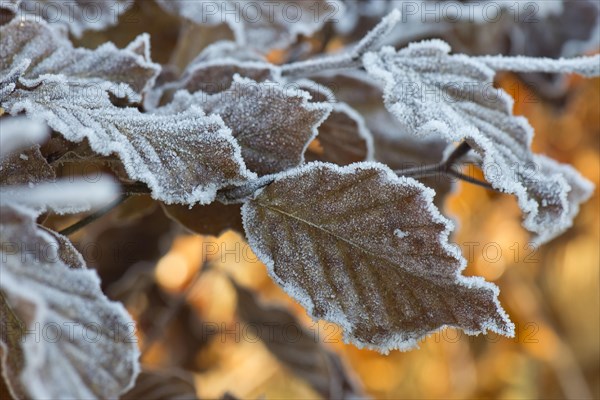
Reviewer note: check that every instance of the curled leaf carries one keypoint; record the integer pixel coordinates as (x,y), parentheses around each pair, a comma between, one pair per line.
(272,123)
(126,72)
(367,250)
(183,157)
(432,92)
(87,350)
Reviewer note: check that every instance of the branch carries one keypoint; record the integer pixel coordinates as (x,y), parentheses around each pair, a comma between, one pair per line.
(347,60)
(446,168)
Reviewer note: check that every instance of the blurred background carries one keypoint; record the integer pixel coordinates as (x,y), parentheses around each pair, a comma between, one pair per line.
(178,285)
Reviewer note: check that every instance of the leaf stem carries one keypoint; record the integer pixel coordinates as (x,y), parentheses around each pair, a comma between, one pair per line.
(446,167)
(92,217)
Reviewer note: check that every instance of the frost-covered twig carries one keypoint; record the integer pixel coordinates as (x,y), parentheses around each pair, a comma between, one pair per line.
(586,66)
(347,60)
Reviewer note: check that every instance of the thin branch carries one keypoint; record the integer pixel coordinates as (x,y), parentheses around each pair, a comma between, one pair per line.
(93,217)
(446,168)
(347,60)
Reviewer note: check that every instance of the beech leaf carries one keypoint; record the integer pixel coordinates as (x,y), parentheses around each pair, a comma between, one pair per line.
(432,92)
(128,72)
(87,347)
(367,250)
(24,167)
(272,123)
(183,157)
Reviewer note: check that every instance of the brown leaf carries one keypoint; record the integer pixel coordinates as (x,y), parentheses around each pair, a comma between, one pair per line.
(212,219)
(273,124)
(129,71)
(362,248)
(24,167)
(296,347)
(42,296)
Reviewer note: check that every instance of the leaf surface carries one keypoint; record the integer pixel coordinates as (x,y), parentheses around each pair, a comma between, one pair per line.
(367,250)
(84,346)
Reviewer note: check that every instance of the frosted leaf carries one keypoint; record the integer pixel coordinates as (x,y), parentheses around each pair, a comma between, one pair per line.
(432,92)
(77,15)
(25,166)
(326,234)
(212,76)
(585,66)
(88,347)
(20,132)
(581,191)
(128,72)
(344,137)
(183,158)
(212,219)
(163,385)
(301,352)
(272,123)
(263,25)
(66,196)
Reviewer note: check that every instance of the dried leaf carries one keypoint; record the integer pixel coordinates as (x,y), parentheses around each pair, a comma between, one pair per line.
(367,250)
(78,15)
(125,72)
(212,219)
(24,167)
(19,133)
(183,158)
(88,348)
(162,385)
(432,92)
(272,123)
(266,25)
(296,347)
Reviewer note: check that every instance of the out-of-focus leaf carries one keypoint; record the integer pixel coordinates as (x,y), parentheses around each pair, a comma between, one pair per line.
(77,15)
(369,251)
(300,351)
(212,219)
(87,348)
(432,92)
(24,167)
(183,158)
(125,72)
(162,385)
(272,123)
(268,25)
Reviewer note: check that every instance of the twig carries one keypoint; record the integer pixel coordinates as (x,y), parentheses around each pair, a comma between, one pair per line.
(446,167)
(347,60)
(92,217)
